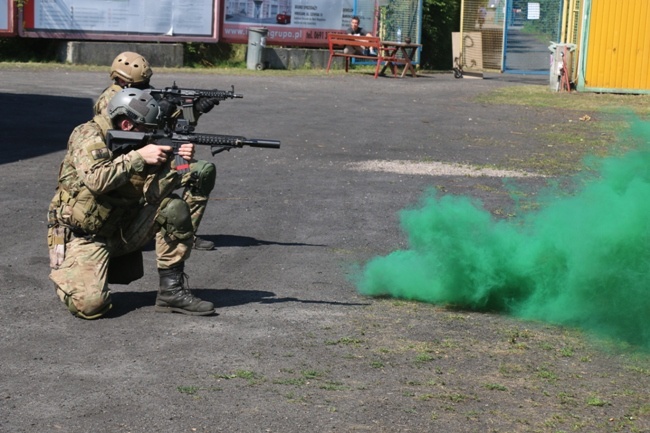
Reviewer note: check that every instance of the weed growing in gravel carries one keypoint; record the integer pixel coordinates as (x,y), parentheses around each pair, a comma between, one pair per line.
(596,401)
(190,390)
(250,376)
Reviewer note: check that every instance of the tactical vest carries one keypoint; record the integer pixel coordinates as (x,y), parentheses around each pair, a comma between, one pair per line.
(78,208)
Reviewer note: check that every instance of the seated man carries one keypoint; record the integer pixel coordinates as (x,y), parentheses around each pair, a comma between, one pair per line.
(107,207)
(355,30)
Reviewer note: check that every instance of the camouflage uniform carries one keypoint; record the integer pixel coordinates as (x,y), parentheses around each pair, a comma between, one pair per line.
(104,99)
(106,207)
(198,182)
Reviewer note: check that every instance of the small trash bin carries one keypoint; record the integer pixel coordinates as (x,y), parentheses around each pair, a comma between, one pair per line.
(256,44)
(560,68)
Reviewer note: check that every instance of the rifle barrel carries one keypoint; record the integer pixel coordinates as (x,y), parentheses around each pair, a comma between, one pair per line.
(261,142)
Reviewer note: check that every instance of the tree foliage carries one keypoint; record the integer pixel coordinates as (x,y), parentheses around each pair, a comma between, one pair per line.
(439,19)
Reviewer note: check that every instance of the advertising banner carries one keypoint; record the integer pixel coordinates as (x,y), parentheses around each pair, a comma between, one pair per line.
(290,22)
(6,18)
(159,20)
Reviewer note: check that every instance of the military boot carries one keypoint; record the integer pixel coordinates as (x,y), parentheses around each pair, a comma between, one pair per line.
(175,297)
(202,244)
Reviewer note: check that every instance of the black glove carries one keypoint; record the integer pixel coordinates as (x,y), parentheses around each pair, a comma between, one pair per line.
(167,109)
(204,105)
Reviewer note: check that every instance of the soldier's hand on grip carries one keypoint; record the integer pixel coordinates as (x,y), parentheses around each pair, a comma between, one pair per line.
(204,105)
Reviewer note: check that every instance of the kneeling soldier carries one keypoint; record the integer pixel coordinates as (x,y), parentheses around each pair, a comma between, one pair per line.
(107,208)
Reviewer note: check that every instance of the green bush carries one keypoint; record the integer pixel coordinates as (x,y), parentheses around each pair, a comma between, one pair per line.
(439,19)
(198,55)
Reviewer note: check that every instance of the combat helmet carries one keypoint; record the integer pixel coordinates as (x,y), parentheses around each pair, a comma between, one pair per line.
(132,68)
(137,105)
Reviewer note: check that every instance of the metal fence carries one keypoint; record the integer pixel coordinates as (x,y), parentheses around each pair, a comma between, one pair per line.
(393,20)
(530,29)
(508,35)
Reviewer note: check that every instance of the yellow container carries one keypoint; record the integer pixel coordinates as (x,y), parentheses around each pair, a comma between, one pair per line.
(615,52)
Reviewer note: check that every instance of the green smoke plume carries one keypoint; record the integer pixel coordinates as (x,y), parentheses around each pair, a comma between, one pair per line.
(581,259)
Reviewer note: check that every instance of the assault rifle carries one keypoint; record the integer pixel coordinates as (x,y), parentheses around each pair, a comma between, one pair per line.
(120,142)
(186,99)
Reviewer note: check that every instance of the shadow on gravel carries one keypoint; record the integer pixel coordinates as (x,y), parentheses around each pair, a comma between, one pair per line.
(221,241)
(127,302)
(230,298)
(39,124)
(228,241)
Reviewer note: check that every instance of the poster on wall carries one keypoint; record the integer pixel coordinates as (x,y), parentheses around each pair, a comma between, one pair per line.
(289,22)
(102,19)
(6,18)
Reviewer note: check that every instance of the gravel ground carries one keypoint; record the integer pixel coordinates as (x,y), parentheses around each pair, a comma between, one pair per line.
(293,347)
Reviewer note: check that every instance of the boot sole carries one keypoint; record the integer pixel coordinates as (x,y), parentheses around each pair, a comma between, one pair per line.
(159,309)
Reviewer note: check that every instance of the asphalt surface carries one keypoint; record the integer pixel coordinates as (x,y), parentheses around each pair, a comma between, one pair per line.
(289,224)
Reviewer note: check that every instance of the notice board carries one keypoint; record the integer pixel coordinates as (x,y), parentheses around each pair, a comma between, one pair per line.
(7,10)
(291,22)
(133,20)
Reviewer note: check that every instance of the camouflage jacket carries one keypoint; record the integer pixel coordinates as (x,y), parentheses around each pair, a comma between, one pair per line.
(92,182)
(104,99)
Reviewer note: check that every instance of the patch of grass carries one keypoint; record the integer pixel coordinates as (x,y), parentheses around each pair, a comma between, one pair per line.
(333,386)
(546,374)
(293,398)
(566,352)
(592,124)
(566,399)
(541,96)
(312,374)
(189,390)
(422,358)
(495,387)
(222,68)
(640,370)
(449,343)
(643,410)
(554,421)
(545,345)
(454,397)
(596,401)
(344,341)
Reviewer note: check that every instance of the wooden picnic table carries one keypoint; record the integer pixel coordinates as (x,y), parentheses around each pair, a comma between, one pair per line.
(407,51)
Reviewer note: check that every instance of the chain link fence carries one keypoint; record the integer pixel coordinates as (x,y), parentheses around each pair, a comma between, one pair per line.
(393,20)
(508,35)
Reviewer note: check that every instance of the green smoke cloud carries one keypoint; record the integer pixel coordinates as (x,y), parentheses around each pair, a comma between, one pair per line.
(581,259)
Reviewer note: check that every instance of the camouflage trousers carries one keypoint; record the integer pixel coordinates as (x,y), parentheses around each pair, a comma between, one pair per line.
(81,278)
(198,185)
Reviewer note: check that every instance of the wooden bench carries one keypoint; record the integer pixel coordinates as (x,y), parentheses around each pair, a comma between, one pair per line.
(338,42)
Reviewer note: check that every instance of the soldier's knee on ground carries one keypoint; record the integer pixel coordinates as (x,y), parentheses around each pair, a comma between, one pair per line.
(89,308)
(175,219)
(204,175)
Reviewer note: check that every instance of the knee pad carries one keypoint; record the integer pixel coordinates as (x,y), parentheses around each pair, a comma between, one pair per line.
(204,176)
(92,308)
(175,219)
